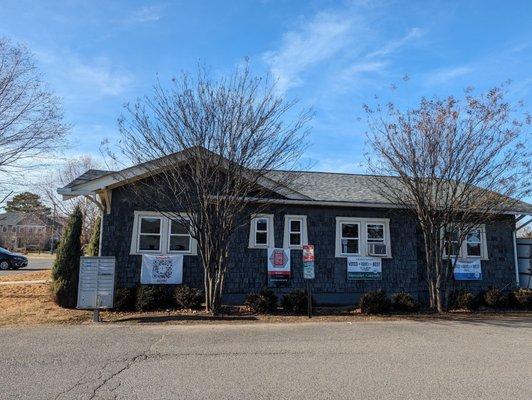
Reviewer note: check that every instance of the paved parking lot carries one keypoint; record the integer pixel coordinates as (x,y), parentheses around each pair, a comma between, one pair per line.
(359,360)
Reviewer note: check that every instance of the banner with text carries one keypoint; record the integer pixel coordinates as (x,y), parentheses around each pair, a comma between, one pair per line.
(364,268)
(278,267)
(162,270)
(467,270)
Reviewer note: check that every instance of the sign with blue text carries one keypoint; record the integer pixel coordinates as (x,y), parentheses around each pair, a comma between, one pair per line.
(468,270)
(308,261)
(364,268)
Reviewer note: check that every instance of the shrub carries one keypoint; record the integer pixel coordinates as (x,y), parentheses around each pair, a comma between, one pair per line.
(523,298)
(65,271)
(463,300)
(188,297)
(494,298)
(375,303)
(263,302)
(125,299)
(295,301)
(404,302)
(93,248)
(152,297)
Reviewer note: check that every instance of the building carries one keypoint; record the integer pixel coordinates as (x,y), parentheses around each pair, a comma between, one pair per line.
(20,230)
(337,213)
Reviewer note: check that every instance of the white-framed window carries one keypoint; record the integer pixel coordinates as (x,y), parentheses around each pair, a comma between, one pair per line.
(473,246)
(178,237)
(261,231)
(154,233)
(362,237)
(295,231)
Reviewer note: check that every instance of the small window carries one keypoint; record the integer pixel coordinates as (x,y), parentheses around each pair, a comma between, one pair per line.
(451,243)
(261,231)
(295,231)
(349,238)
(375,233)
(179,238)
(150,234)
(473,243)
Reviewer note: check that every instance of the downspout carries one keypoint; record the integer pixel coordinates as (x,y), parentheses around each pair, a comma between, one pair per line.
(515,257)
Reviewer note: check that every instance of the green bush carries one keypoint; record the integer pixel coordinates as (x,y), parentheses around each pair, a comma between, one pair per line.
(263,302)
(93,248)
(494,298)
(188,297)
(404,302)
(65,271)
(523,298)
(375,303)
(153,297)
(296,301)
(125,299)
(463,300)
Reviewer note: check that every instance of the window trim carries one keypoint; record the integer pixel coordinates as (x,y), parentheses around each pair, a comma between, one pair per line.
(160,234)
(170,234)
(269,232)
(164,239)
(304,231)
(362,236)
(462,254)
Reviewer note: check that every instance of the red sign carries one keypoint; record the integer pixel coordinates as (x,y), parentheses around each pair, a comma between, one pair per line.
(308,252)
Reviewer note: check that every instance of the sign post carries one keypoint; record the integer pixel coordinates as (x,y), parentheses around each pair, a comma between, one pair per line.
(96,284)
(308,273)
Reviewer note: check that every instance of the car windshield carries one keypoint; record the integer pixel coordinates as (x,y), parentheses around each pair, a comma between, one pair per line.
(5,251)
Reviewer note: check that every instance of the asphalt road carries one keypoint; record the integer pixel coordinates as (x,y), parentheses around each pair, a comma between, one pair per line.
(35,263)
(362,360)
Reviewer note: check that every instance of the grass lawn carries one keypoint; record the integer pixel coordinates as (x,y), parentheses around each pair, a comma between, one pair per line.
(32,304)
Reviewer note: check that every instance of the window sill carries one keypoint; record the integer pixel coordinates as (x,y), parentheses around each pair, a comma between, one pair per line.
(360,255)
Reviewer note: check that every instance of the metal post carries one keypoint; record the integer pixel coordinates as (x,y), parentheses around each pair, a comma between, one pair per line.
(309,299)
(96,315)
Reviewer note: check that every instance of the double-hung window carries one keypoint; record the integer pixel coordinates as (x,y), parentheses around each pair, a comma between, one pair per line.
(295,231)
(261,231)
(362,237)
(155,233)
(451,243)
(149,239)
(473,246)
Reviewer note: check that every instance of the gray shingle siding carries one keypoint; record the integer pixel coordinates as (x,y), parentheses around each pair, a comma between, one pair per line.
(247,270)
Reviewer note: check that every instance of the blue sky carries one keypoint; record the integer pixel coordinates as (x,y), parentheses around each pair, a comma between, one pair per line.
(332,55)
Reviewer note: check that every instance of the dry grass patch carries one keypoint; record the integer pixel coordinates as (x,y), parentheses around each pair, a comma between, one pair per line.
(29,276)
(32,304)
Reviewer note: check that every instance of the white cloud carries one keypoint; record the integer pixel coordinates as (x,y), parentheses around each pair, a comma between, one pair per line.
(444,75)
(146,14)
(394,45)
(106,80)
(317,40)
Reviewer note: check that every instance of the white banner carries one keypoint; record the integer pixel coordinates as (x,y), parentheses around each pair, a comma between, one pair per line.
(468,270)
(162,270)
(364,268)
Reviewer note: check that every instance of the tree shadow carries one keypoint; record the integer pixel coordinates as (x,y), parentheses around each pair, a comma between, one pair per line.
(146,319)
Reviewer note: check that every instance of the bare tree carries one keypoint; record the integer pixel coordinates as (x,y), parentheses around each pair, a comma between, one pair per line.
(229,132)
(63,175)
(31,119)
(457,164)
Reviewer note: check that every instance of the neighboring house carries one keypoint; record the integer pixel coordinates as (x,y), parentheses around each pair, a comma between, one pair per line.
(338,213)
(27,231)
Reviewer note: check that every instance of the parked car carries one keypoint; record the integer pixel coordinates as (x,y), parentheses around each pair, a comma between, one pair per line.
(11,260)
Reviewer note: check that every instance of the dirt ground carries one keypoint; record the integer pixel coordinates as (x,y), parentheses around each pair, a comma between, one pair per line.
(32,304)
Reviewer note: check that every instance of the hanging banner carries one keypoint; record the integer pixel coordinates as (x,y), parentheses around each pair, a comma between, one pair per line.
(467,270)
(278,266)
(308,261)
(162,270)
(364,268)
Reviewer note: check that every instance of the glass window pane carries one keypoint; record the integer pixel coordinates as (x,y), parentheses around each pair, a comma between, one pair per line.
(149,242)
(473,236)
(349,246)
(295,225)
(150,225)
(261,238)
(295,239)
(350,230)
(375,232)
(262,224)
(473,249)
(179,243)
(178,228)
